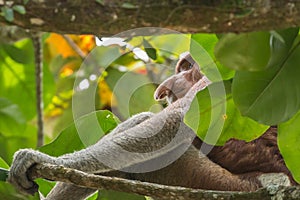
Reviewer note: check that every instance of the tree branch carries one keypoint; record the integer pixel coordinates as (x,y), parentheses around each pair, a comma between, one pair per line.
(59,173)
(114,16)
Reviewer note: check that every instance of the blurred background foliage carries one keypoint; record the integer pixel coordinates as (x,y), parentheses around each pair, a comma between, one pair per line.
(255,85)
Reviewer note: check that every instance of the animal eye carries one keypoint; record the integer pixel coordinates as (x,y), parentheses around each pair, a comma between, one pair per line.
(184,65)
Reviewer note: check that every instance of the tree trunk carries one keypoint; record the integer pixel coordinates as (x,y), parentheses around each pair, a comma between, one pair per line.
(110,17)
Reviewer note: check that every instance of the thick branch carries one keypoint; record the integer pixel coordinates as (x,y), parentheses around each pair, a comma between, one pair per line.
(114,16)
(59,173)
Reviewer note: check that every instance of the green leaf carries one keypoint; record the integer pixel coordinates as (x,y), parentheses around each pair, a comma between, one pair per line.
(3,170)
(3,164)
(3,174)
(17,80)
(151,52)
(10,142)
(25,2)
(288,143)
(20,9)
(83,132)
(247,51)
(17,54)
(271,96)
(112,195)
(44,186)
(11,118)
(202,49)
(281,43)
(215,118)
(134,92)
(8,13)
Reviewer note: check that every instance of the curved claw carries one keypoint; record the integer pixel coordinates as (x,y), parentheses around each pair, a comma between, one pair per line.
(18,174)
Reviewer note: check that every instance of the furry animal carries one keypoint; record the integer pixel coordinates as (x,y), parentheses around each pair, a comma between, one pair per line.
(259,156)
(148,147)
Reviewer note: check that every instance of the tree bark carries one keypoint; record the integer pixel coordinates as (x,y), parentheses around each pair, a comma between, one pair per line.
(110,17)
(162,192)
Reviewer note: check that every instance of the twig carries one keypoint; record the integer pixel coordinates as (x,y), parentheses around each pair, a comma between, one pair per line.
(74,46)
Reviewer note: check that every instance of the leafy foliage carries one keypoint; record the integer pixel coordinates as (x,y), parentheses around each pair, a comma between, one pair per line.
(255,85)
(253,92)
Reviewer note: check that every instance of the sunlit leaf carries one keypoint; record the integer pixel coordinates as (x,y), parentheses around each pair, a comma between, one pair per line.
(246,51)
(3,164)
(17,54)
(44,186)
(17,81)
(207,61)
(288,142)
(270,96)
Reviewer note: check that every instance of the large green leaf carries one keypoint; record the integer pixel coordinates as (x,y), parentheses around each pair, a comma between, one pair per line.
(134,92)
(11,118)
(17,54)
(247,51)
(208,62)
(288,142)
(17,80)
(81,133)
(215,118)
(281,42)
(10,142)
(270,96)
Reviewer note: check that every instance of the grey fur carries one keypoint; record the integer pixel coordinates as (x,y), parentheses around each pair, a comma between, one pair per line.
(135,144)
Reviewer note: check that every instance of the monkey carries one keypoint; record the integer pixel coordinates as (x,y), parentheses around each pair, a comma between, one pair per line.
(263,155)
(158,138)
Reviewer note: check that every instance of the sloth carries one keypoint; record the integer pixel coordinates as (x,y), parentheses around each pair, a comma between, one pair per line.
(163,140)
(261,155)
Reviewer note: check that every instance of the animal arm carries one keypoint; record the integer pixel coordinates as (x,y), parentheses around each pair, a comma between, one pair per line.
(148,132)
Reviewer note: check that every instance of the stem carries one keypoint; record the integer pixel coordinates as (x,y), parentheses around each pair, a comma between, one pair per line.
(38,52)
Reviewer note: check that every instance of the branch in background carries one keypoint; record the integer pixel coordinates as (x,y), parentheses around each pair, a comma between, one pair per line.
(74,46)
(106,18)
(38,52)
(162,192)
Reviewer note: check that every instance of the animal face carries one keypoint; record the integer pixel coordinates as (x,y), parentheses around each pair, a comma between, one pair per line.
(187,73)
